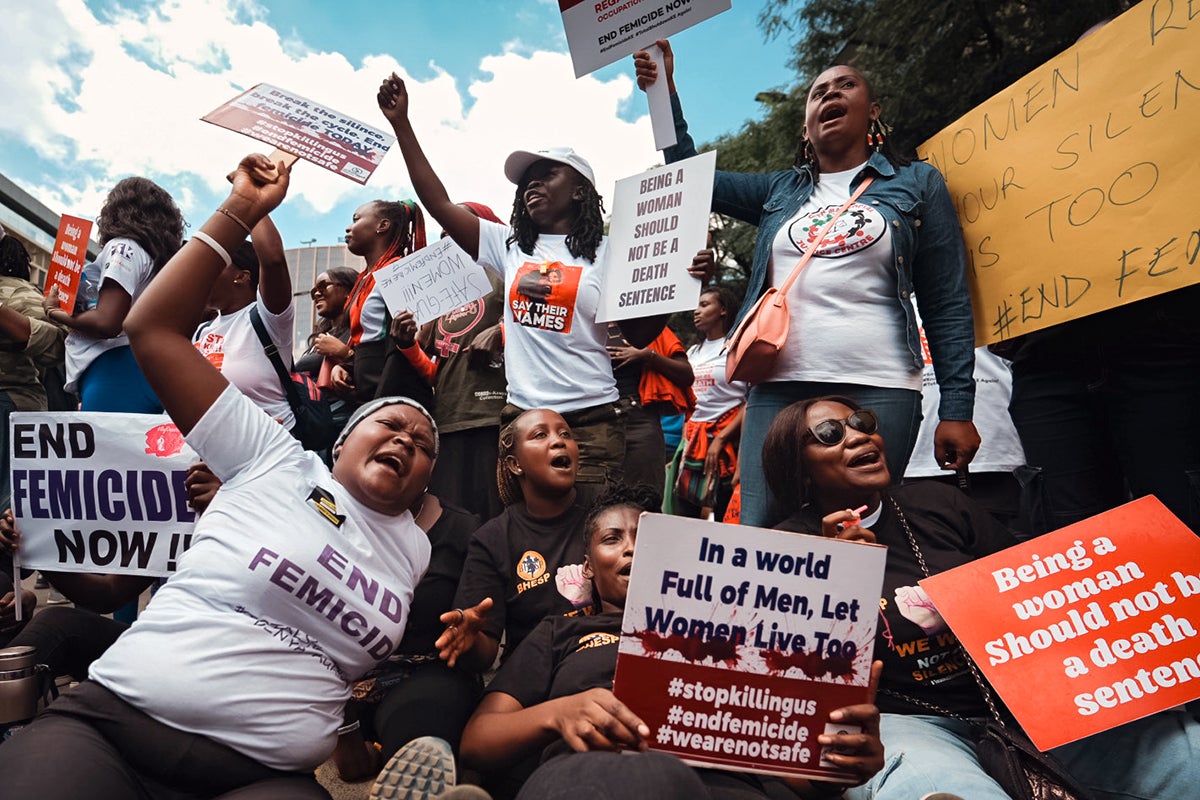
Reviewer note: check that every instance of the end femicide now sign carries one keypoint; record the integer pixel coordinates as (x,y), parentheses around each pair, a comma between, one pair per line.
(1086,628)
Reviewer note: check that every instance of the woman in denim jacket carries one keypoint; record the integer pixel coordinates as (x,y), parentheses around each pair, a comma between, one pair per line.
(853,328)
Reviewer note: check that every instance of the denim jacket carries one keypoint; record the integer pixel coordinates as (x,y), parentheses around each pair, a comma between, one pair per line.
(930,259)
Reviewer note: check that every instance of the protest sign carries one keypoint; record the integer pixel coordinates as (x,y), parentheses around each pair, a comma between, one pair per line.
(1074,185)
(433,281)
(659,223)
(1085,628)
(294,124)
(658,96)
(600,32)
(66,260)
(100,492)
(737,642)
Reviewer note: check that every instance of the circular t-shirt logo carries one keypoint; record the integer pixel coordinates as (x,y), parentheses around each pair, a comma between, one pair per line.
(859,227)
(531,566)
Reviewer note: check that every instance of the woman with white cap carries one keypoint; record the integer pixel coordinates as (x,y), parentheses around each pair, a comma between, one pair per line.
(556,353)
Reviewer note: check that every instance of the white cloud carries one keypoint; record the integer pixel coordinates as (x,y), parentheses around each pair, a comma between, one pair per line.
(122,94)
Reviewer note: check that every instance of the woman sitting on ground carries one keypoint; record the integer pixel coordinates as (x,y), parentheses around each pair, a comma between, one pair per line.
(298,580)
(825,456)
(557,696)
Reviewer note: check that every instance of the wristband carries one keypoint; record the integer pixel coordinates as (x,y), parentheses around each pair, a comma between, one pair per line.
(201,236)
(235,218)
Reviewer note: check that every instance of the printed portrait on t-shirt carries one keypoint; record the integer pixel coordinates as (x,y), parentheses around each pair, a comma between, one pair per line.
(543,296)
(859,227)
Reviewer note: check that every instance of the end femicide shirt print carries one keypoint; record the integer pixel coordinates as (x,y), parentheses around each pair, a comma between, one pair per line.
(543,295)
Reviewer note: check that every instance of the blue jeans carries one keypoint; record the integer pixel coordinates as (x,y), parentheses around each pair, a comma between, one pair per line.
(1156,758)
(114,382)
(899,412)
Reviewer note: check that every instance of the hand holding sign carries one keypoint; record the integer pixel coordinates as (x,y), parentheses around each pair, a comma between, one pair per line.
(597,720)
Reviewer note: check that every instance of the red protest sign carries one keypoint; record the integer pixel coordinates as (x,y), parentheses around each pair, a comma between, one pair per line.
(66,260)
(1088,627)
(297,125)
(738,642)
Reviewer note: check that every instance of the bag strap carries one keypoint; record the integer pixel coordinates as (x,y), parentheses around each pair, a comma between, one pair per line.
(984,688)
(862,187)
(272,354)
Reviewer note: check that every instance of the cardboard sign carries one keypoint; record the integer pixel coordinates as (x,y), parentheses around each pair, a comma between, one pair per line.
(315,133)
(433,281)
(1085,628)
(737,642)
(600,32)
(98,492)
(659,223)
(1074,186)
(66,260)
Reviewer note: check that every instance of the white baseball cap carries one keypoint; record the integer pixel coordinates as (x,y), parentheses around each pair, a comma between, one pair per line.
(516,164)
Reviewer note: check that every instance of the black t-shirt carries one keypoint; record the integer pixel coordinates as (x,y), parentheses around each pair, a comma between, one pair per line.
(434,595)
(562,656)
(923,662)
(516,560)
(469,394)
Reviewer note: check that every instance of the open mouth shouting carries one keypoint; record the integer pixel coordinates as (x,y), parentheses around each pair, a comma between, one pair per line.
(869,458)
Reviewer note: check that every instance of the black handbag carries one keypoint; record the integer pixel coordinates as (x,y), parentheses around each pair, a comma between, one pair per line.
(1004,751)
(314,427)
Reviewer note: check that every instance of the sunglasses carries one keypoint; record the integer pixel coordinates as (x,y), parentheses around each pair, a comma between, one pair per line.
(323,287)
(832,431)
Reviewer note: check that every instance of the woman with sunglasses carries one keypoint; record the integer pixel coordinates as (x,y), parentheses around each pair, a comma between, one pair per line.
(825,462)
(853,328)
(330,334)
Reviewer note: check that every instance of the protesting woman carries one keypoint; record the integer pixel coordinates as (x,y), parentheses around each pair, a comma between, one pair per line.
(554,697)
(330,293)
(853,329)
(556,351)
(298,579)
(824,457)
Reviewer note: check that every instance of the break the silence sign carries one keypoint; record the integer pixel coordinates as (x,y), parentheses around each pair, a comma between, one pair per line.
(737,642)
(1086,628)
(659,223)
(1074,185)
(600,32)
(98,492)
(332,140)
(433,281)
(66,260)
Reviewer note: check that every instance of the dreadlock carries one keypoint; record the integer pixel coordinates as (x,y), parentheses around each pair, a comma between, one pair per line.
(585,234)
(141,210)
(14,258)
(878,136)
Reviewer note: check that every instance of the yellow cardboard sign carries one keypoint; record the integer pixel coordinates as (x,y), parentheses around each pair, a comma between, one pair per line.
(1076,186)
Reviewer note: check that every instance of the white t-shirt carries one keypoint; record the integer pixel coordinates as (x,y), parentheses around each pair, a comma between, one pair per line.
(124,262)
(714,394)
(373,316)
(276,607)
(846,323)
(1001,449)
(231,345)
(555,353)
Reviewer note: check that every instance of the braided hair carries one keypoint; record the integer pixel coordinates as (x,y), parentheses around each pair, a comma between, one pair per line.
(506,482)
(586,231)
(638,496)
(141,210)
(14,258)
(407,236)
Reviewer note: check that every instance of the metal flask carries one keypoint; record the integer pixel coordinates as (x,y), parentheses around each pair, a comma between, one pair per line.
(18,684)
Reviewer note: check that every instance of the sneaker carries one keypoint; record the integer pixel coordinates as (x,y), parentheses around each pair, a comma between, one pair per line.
(56,598)
(422,769)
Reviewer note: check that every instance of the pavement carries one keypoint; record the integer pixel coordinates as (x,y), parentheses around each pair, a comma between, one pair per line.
(326,773)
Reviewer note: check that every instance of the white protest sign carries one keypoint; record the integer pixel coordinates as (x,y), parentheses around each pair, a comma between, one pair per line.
(295,124)
(600,32)
(737,642)
(662,121)
(433,281)
(100,492)
(659,223)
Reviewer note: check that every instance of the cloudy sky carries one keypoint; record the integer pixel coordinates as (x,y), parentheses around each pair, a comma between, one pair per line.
(94,91)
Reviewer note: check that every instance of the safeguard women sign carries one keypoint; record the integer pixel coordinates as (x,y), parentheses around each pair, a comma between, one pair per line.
(433,281)
(737,642)
(296,125)
(1085,628)
(100,492)
(1075,186)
